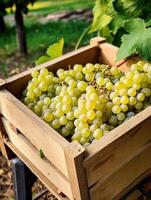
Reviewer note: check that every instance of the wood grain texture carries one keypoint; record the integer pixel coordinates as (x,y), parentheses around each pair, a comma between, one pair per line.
(41,135)
(109,188)
(30,152)
(115,154)
(75,155)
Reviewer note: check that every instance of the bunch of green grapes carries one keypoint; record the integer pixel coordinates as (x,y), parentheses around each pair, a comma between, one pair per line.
(86,102)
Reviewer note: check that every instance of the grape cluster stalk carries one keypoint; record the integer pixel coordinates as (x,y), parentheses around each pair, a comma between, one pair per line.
(86,102)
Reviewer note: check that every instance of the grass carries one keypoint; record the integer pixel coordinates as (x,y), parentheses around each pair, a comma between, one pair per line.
(40,36)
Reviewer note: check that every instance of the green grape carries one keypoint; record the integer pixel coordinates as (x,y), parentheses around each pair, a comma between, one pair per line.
(91,115)
(77,122)
(140,97)
(78,76)
(31,106)
(90,67)
(109,86)
(128,82)
(85,132)
(43,86)
(138,105)
(89,77)
(83,118)
(37,109)
(72,83)
(98,133)
(74,101)
(59,113)
(49,79)
(100,81)
(37,92)
(48,117)
(30,95)
(132,92)
(63,120)
(121,116)
(113,120)
(47,101)
(84,140)
(116,101)
(78,68)
(146,92)
(105,127)
(137,78)
(113,95)
(132,100)
(69,125)
(67,100)
(70,116)
(66,108)
(123,92)
(90,105)
(82,85)
(114,71)
(44,72)
(65,132)
(124,100)
(35,74)
(116,109)
(56,123)
(136,86)
(99,114)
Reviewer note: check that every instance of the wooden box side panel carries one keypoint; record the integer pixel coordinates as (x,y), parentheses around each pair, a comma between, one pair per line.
(125,178)
(17,84)
(41,135)
(31,155)
(113,150)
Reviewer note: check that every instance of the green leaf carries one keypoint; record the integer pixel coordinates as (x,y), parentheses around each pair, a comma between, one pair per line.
(56,49)
(138,41)
(42,60)
(102,14)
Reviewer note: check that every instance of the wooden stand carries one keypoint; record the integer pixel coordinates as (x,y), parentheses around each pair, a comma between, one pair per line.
(105,170)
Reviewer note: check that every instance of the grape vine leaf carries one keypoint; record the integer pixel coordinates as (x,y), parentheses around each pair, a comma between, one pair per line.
(101,17)
(55,50)
(42,60)
(138,41)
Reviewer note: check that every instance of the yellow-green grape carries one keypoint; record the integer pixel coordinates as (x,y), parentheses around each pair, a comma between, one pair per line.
(89,77)
(109,86)
(99,114)
(85,132)
(56,124)
(76,113)
(44,72)
(130,75)
(83,118)
(140,97)
(90,89)
(78,68)
(69,125)
(76,136)
(37,92)
(113,120)
(134,67)
(70,116)
(113,95)
(84,140)
(91,115)
(105,127)
(37,109)
(60,71)
(102,98)
(78,76)
(136,86)
(132,100)
(83,125)
(90,105)
(48,117)
(63,120)
(65,132)
(116,109)
(59,113)
(124,100)
(43,86)
(47,101)
(131,92)
(67,100)
(137,78)
(35,74)
(72,83)
(74,101)
(30,95)
(49,79)
(146,92)
(31,106)
(98,133)
(66,108)
(138,105)
(82,85)
(93,127)
(90,67)
(123,92)
(116,101)
(128,82)
(121,116)
(124,107)
(77,122)
(119,85)
(100,81)
(115,71)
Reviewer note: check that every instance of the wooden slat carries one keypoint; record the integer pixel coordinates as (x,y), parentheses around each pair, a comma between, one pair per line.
(115,147)
(30,152)
(81,56)
(110,187)
(37,131)
(75,155)
(51,187)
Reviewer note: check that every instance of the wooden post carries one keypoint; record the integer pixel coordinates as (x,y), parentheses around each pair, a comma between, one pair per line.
(75,154)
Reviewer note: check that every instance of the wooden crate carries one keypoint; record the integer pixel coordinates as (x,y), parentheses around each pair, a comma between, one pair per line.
(104,170)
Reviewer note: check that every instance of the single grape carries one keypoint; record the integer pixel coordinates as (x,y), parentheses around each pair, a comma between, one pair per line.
(98,133)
